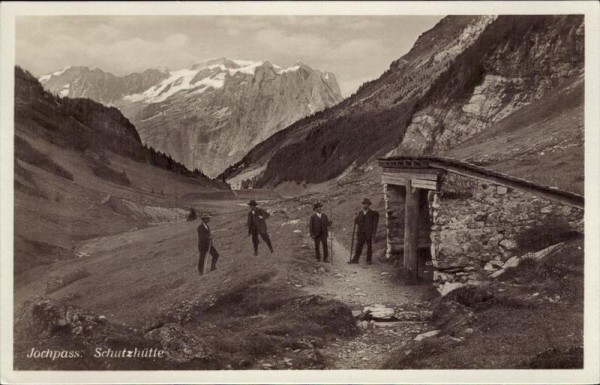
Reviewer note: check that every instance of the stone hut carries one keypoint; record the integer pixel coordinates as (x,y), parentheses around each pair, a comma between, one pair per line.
(464,220)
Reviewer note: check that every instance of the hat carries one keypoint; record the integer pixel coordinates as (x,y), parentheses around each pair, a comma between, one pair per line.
(366,201)
(252,203)
(318,204)
(205,216)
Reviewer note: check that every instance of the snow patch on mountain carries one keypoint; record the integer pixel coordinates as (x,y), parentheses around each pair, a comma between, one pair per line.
(47,77)
(177,81)
(249,68)
(289,69)
(65,90)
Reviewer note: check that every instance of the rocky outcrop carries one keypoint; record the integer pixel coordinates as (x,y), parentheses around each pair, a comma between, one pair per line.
(210,115)
(515,61)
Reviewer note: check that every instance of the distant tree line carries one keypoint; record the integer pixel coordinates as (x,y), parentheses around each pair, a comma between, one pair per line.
(159,159)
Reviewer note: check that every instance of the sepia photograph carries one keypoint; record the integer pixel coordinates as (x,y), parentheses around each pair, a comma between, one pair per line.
(283,190)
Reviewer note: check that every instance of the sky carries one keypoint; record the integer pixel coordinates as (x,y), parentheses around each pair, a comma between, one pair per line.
(355,48)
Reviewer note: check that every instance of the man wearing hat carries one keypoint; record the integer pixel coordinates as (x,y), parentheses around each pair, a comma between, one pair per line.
(205,245)
(366,221)
(318,227)
(258,226)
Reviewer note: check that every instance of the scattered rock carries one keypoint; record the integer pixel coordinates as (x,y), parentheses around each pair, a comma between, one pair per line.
(489,267)
(448,287)
(430,334)
(379,312)
(508,244)
(512,262)
(408,316)
(392,324)
(497,273)
(179,345)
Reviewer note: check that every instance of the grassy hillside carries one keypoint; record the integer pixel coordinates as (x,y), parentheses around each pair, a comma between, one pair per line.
(74,161)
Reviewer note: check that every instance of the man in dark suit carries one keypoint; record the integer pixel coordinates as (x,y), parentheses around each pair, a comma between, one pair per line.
(205,245)
(258,226)
(318,227)
(366,222)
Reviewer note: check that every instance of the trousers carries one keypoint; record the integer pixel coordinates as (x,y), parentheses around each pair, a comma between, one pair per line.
(213,263)
(360,243)
(321,239)
(265,237)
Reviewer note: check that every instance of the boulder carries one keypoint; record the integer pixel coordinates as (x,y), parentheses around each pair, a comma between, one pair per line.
(547,251)
(448,287)
(508,244)
(489,267)
(511,262)
(430,334)
(379,313)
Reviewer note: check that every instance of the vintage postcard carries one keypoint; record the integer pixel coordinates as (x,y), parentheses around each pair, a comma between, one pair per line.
(315,192)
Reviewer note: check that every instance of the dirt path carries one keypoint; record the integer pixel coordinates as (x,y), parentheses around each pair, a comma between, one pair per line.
(360,285)
(365,285)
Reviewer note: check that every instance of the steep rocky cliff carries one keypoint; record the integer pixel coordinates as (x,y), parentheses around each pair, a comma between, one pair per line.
(461,77)
(210,115)
(515,61)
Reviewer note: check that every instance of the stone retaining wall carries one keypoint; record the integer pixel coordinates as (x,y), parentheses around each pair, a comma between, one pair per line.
(475,226)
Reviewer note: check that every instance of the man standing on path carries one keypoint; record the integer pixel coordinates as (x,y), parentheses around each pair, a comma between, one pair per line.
(366,221)
(319,231)
(258,226)
(205,245)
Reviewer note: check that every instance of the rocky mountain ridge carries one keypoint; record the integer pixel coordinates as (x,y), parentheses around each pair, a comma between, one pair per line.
(210,115)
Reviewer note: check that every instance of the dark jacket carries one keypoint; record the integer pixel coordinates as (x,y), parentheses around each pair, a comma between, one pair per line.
(319,226)
(256,222)
(204,237)
(367,223)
